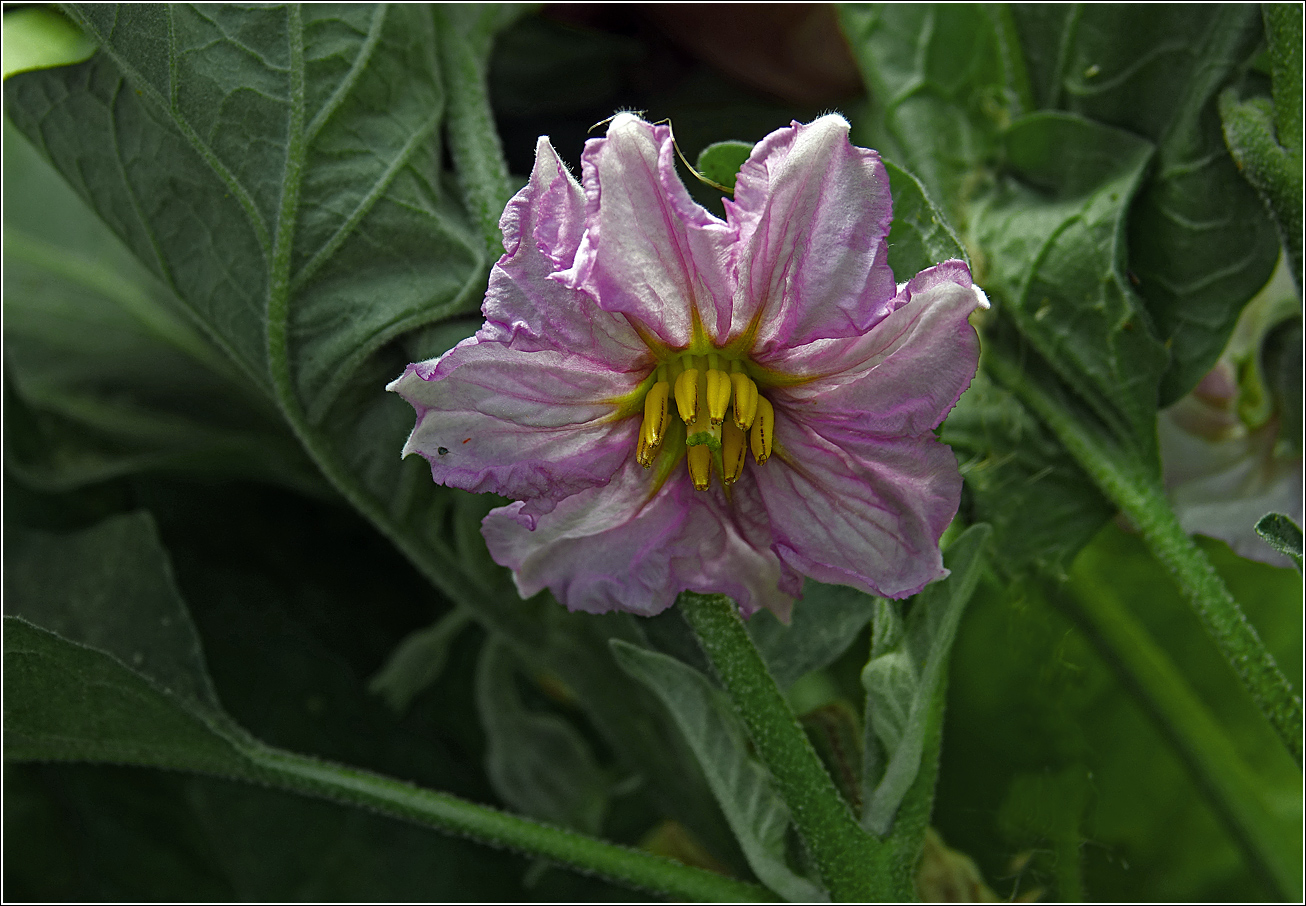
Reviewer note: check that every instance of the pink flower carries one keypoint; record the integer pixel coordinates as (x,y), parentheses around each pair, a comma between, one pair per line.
(1222,475)
(679,402)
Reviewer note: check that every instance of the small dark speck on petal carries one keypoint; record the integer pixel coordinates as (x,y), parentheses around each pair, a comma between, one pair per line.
(442,450)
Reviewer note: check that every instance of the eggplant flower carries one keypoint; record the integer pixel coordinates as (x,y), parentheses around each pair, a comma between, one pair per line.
(677,402)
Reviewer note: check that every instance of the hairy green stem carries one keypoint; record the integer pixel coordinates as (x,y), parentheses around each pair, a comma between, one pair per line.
(849,859)
(1233,791)
(1142,500)
(631,867)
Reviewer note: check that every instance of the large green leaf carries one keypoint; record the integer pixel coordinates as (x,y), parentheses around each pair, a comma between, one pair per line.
(280,172)
(1200,245)
(1053,237)
(119,378)
(744,788)
(1038,717)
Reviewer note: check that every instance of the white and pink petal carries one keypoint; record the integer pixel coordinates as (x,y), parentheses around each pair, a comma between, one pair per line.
(904,375)
(650,251)
(537,426)
(813,215)
(862,512)
(524,304)
(627,547)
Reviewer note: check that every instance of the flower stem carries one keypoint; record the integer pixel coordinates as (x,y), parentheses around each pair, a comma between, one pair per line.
(630,867)
(1266,838)
(1142,500)
(849,859)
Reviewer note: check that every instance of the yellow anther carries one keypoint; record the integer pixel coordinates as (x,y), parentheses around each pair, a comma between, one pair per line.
(762,436)
(655,412)
(687,394)
(703,430)
(700,466)
(718,395)
(733,448)
(644,451)
(745,400)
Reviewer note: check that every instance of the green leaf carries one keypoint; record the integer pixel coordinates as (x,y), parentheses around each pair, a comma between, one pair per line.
(824,622)
(1126,67)
(103,662)
(1053,240)
(71,702)
(418,661)
(902,678)
(1041,504)
(119,378)
(1283,535)
(141,697)
(1270,169)
(111,588)
(1198,245)
(720,162)
(39,38)
(279,168)
(757,815)
(1033,696)
(944,80)
(538,763)
(307,225)
(920,235)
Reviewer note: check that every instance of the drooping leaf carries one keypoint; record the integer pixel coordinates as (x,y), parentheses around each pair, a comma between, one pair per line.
(539,764)
(418,661)
(742,786)
(903,676)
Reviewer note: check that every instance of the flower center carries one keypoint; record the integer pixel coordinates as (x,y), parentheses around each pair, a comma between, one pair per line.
(706,388)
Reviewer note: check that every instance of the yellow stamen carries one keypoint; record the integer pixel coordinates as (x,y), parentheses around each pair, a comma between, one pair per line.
(718,395)
(703,429)
(733,448)
(763,434)
(644,451)
(745,400)
(655,412)
(687,394)
(700,466)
